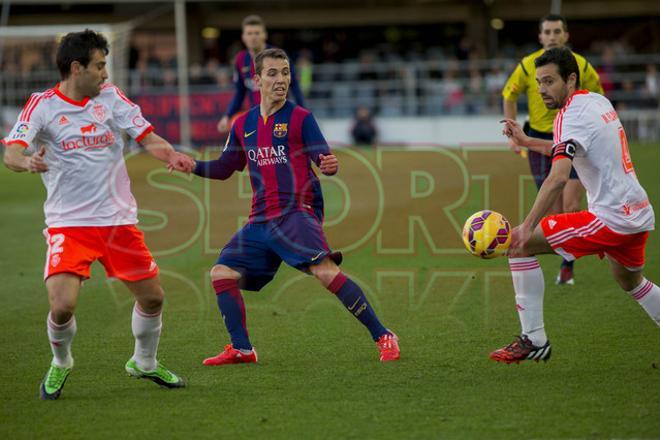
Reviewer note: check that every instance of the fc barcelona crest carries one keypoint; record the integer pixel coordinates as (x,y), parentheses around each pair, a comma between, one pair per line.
(280,130)
(99,112)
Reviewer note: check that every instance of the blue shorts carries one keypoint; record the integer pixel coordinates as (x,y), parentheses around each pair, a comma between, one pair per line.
(257,250)
(540,164)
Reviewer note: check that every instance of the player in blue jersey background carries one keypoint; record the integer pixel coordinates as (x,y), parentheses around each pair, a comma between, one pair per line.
(278,141)
(254,37)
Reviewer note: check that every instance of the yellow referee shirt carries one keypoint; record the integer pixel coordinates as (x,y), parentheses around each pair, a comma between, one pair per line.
(523,79)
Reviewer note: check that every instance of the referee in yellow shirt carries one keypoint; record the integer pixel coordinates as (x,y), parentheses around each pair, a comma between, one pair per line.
(553,33)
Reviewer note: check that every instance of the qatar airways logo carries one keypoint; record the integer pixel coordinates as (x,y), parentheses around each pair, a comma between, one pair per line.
(268,155)
(89,140)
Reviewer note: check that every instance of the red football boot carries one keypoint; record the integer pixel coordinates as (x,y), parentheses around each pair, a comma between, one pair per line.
(522,349)
(232,356)
(388,345)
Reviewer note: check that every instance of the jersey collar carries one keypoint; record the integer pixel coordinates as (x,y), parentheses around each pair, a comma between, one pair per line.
(570,98)
(63,97)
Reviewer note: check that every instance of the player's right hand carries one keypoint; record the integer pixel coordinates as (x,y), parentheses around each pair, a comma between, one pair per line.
(181,162)
(223,124)
(37,163)
(520,235)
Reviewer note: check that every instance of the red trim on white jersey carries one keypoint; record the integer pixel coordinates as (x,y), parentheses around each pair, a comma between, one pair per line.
(32,103)
(144,134)
(16,141)
(27,105)
(122,96)
(559,119)
(69,100)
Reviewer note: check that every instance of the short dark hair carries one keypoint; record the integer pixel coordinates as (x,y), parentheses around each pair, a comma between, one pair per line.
(273,52)
(78,46)
(565,61)
(554,17)
(253,20)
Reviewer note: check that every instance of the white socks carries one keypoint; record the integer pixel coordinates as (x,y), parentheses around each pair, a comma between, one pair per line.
(529,286)
(61,337)
(647,295)
(146,329)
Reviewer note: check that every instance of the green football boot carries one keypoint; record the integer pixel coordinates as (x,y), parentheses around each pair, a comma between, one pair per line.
(161,375)
(52,385)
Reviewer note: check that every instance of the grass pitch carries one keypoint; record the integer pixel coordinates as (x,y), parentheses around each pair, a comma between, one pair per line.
(396,214)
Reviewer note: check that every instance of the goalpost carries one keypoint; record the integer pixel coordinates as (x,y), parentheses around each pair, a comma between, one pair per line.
(27,52)
(16,85)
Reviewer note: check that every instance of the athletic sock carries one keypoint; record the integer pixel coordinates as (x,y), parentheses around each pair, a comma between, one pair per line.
(529,286)
(232,308)
(647,295)
(61,337)
(566,263)
(146,329)
(356,302)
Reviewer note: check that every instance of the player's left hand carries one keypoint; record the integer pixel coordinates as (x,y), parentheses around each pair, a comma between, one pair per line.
(37,163)
(181,162)
(329,164)
(519,238)
(515,133)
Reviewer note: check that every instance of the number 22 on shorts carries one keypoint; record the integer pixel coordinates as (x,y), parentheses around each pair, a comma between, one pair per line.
(55,248)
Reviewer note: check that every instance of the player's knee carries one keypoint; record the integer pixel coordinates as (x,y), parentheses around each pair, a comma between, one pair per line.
(325,272)
(62,310)
(221,272)
(630,280)
(151,300)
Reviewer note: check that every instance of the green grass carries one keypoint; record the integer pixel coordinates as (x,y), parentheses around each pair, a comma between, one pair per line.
(319,375)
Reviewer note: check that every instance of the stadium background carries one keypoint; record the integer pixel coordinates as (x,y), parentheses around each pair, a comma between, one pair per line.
(432,73)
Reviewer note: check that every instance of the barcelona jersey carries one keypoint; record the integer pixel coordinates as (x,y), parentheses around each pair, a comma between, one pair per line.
(278,152)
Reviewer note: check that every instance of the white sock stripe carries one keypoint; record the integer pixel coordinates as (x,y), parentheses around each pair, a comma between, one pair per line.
(144,314)
(522,260)
(60,327)
(571,229)
(524,266)
(523,263)
(524,269)
(641,293)
(576,233)
(641,286)
(529,263)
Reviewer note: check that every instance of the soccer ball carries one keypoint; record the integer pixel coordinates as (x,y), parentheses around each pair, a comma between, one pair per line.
(487,234)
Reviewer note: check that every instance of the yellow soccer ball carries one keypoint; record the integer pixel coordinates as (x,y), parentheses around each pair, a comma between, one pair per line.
(487,234)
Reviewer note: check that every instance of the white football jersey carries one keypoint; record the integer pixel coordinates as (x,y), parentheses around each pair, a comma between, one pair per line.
(87,182)
(603,163)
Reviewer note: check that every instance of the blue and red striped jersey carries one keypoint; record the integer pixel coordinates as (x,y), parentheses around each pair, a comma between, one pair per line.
(278,152)
(244,83)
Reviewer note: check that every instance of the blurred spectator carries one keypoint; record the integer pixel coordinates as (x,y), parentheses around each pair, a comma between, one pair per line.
(495,80)
(606,70)
(364,130)
(454,98)
(650,90)
(305,71)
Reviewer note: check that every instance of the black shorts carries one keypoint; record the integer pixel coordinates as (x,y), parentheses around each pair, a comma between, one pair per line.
(540,164)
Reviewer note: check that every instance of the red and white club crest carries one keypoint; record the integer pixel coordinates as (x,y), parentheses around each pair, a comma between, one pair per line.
(99,112)
(139,121)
